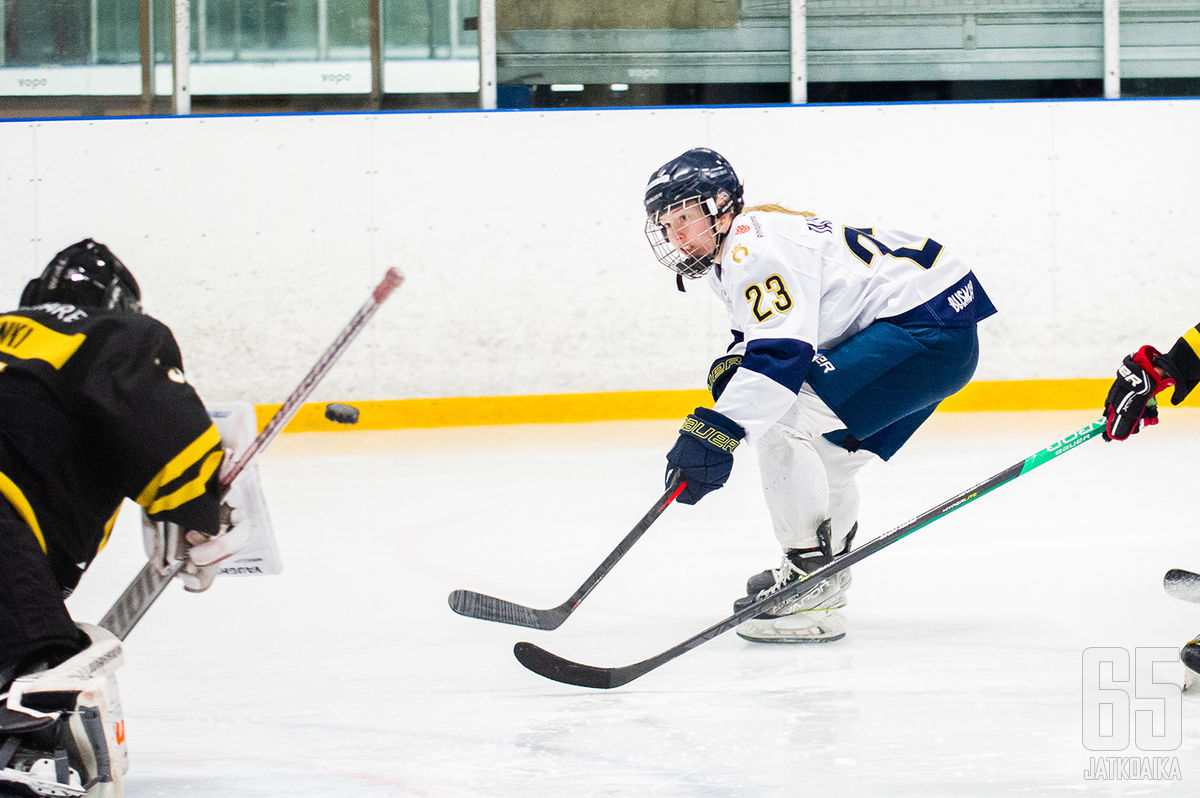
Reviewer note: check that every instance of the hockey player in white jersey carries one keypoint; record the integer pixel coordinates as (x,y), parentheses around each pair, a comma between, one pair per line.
(845,339)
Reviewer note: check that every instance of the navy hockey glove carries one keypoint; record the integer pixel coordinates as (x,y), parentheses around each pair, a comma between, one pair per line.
(1130,404)
(703,454)
(720,373)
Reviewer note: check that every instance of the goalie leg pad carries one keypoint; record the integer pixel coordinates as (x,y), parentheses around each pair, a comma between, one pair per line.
(78,747)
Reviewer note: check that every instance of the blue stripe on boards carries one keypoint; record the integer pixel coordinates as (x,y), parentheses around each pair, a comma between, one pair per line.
(589,110)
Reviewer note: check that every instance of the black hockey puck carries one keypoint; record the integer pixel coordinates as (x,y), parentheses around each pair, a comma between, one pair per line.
(341,414)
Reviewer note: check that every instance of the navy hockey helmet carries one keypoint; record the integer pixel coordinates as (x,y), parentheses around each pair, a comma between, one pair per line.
(699,175)
(85,274)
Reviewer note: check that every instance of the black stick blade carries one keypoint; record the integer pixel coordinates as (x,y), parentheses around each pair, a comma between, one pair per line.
(490,608)
(552,666)
(1182,584)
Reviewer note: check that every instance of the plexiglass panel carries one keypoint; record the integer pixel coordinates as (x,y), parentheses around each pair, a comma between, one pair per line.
(622,52)
(238,46)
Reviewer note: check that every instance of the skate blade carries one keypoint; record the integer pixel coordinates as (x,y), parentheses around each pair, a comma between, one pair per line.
(792,629)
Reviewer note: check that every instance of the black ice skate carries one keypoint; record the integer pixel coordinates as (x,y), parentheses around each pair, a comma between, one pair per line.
(811,617)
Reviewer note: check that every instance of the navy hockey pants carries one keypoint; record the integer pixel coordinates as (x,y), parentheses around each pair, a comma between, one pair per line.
(888,379)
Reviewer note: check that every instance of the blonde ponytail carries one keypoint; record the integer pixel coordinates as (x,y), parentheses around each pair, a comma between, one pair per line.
(774,208)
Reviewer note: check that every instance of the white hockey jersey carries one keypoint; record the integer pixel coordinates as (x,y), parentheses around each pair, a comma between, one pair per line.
(796,284)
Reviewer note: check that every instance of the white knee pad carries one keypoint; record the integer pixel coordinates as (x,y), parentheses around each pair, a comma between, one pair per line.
(841,471)
(82,695)
(794,487)
(807,479)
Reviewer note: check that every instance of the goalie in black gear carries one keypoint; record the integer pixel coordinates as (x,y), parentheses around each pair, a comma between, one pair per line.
(94,408)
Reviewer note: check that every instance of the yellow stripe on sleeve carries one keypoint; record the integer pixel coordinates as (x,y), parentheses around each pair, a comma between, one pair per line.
(108,528)
(17,499)
(189,490)
(191,454)
(1192,337)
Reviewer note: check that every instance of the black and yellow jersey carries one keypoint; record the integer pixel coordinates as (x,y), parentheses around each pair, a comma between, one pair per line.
(1183,364)
(94,407)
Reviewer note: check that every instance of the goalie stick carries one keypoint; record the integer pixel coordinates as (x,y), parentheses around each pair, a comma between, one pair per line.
(552,666)
(489,608)
(151,581)
(1182,584)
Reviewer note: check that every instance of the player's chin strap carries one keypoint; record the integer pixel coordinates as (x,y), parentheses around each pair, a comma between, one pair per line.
(679,275)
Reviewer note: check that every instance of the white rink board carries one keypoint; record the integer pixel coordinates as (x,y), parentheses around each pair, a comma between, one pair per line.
(256,238)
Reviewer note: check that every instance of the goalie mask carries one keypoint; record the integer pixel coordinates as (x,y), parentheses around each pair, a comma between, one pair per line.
(684,200)
(88,275)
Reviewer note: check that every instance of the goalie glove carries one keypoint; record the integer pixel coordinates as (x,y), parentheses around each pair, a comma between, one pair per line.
(202,553)
(1130,403)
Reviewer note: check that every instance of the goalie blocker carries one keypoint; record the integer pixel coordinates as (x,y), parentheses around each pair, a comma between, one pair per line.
(165,543)
(62,730)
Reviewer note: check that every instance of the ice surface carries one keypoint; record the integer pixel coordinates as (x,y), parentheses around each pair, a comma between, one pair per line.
(961,675)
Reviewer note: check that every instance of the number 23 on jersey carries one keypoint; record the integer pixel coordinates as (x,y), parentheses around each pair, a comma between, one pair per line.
(768,298)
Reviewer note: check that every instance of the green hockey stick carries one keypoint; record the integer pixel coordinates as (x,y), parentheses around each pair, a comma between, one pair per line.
(554,667)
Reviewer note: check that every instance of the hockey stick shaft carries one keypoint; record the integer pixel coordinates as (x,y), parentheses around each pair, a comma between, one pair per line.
(390,282)
(490,608)
(151,581)
(559,669)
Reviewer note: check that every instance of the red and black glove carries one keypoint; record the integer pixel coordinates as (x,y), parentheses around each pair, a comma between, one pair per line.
(1130,404)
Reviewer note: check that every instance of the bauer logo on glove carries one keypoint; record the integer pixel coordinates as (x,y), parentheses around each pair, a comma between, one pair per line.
(1130,404)
(697,428)
(703,453)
